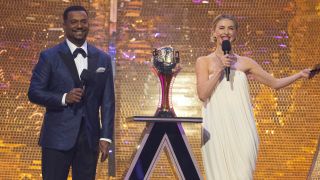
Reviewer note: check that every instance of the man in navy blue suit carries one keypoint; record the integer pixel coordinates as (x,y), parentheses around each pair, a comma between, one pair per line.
(73,81)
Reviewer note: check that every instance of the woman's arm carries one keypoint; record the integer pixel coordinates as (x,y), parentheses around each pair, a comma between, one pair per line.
(206,85)
(265,78)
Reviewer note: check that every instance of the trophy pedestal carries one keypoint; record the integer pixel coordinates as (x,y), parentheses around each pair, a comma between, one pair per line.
(164,133)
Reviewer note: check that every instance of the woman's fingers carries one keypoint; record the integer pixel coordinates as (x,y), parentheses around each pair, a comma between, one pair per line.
(228,60)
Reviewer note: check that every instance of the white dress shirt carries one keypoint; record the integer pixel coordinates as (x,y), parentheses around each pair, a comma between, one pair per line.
(80,61)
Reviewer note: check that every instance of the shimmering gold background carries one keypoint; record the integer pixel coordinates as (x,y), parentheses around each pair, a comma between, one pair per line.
(281,35)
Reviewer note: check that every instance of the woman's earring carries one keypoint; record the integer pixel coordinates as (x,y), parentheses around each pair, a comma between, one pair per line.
(213,39)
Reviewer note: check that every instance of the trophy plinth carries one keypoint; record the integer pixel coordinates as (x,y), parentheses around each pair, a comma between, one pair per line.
(165,61)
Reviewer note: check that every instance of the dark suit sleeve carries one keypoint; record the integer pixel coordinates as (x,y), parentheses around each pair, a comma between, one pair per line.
(39,92)
(108,104)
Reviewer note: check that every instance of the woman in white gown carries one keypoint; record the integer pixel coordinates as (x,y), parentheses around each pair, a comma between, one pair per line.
(230,139)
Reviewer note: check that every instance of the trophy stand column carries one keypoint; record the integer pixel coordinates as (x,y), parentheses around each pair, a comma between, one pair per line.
(165,106)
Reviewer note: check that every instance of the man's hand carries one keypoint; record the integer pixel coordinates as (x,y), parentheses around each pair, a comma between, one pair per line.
(104,148)
(74,96)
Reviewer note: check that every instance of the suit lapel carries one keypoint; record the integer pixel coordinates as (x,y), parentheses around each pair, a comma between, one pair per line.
(92,59)
(68,60)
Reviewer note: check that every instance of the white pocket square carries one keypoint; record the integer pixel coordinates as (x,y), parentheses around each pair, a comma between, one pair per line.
(100,70)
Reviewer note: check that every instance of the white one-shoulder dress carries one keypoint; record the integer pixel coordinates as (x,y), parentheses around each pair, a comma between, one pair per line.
(230,138)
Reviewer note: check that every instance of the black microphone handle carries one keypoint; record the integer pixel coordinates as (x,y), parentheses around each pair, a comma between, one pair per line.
(227,70)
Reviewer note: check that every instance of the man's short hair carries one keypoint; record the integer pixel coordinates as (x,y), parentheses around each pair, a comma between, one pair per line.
(73,8)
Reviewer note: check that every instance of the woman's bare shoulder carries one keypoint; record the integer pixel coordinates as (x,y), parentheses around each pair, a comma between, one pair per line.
(203,64)
(245,58)
(204,59)
(244,63)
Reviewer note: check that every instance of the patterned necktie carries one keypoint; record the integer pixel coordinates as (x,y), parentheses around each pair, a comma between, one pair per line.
(81,51)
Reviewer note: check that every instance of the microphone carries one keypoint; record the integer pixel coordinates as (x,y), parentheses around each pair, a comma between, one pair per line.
(314,71)
(226,48)
(84,77)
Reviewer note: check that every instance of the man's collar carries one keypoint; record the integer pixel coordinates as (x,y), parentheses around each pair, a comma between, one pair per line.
(73,47)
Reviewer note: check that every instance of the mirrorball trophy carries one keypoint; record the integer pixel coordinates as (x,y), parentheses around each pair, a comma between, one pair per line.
(165,65)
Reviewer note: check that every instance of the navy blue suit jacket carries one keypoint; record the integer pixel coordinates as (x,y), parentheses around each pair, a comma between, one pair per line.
(56,74)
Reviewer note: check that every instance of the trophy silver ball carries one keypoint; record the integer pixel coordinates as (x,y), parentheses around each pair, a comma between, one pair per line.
(165,59)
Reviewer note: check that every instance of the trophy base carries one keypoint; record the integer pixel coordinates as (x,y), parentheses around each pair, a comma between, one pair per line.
(165,114)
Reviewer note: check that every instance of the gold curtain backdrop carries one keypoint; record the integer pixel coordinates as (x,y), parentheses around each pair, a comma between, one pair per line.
(281,35)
